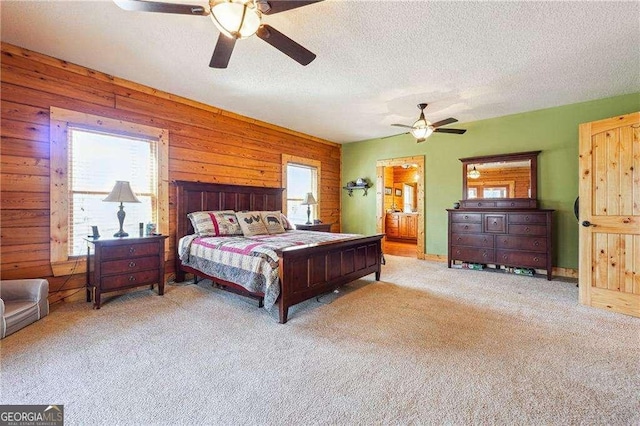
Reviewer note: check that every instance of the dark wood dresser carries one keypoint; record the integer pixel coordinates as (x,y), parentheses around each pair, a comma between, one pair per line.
(115,264)
(510,237)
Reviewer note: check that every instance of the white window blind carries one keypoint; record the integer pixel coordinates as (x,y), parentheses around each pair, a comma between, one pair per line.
(300,180)
(96,161)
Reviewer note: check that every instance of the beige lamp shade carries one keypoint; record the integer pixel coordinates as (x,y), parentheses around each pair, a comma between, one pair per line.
(309,200)
(122,193)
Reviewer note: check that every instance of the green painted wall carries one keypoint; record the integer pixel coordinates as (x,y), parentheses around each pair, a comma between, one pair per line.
(553,131)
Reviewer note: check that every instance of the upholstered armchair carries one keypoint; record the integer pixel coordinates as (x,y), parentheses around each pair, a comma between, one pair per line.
(22,302)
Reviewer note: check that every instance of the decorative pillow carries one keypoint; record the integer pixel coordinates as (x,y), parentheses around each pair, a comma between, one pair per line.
(251,223)
(273,222)
(215,223)
(286,224)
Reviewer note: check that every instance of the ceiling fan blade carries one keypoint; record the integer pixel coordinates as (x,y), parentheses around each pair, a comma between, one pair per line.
(444,122)
(285,45)
(393,136)
(270,7)
(154,6)
(403,125)
(222,52)
(454,131)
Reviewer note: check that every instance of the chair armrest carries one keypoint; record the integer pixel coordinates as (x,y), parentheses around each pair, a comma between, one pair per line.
(34,289)
(3,323)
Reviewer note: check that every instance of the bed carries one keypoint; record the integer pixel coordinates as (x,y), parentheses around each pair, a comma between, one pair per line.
(303,271)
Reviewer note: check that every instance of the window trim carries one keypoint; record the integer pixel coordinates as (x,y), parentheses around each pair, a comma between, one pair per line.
(59,121)
(306,162)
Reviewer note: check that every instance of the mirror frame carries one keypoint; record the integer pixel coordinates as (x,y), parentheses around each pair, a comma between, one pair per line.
(516,156)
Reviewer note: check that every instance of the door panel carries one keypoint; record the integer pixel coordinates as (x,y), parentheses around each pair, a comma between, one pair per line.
(610,214)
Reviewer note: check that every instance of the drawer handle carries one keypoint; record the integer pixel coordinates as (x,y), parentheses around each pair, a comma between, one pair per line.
(466,227)
(505,257)
(459,238)
(132,278)
(479,204)
(526,229)
(457,251)
(132,264)
(513,204)
(466,217)
(132,249)
(526,218)
(536,243)
(495,222)
(536,259)
(484,254)
(485,240)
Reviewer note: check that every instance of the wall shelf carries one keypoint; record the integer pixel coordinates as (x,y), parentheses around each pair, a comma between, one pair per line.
(351,188)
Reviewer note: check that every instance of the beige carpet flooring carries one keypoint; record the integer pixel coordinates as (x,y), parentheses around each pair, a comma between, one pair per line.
(427,345)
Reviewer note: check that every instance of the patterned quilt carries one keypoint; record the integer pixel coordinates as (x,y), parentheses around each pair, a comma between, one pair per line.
(248,261)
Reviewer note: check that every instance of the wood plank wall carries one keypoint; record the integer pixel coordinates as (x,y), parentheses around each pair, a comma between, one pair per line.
(205,144)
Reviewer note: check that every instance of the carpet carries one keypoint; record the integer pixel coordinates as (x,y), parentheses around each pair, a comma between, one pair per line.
(426,345)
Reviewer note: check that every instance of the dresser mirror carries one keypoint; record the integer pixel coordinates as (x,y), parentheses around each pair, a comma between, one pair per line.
(500,177)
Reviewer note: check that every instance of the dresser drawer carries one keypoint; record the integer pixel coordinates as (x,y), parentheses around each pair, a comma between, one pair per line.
(521,258)
(135,264)
(517,204)
(471,254)
(527,229)
(130,280)
(466,227)
(475,240)
(527,218)
(466,217)
(477,203)
(538,244)
(126,251)
(495,223)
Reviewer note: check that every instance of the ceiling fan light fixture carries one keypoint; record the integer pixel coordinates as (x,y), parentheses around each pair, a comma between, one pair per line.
(236,18)
(422,129)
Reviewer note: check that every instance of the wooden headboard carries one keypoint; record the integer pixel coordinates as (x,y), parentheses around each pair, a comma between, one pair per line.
(198,196)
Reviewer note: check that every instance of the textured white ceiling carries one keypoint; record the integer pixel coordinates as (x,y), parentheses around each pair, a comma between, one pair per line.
(376,59)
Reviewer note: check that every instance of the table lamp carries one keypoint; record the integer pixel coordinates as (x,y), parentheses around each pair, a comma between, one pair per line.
(121,193)
(308,201)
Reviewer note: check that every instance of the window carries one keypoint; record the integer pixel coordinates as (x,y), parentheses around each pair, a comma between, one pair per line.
(300,176)
(88,154)
(496,192)
(96,161)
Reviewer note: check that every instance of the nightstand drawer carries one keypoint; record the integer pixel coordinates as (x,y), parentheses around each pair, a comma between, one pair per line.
(130,280)
(135,264)
(127,251)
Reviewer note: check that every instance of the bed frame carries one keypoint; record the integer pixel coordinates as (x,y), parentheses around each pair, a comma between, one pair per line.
(305,271)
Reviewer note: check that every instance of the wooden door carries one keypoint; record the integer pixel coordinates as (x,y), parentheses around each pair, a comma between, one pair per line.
(610,214)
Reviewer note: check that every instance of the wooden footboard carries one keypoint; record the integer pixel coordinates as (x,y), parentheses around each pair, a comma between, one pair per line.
(309,271)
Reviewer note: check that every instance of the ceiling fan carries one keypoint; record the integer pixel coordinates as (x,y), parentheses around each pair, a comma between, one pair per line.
(423,128)
(236,19)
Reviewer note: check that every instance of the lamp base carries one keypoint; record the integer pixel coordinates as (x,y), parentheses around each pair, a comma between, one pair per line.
(120,234)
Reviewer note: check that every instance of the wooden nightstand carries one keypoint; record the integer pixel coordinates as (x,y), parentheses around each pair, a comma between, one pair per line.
(320,227)
(120,263)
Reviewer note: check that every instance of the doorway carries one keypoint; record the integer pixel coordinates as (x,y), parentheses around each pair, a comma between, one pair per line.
(400,205)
